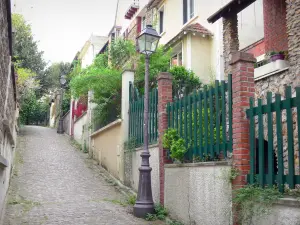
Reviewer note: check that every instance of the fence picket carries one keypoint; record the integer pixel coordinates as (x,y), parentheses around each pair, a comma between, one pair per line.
(279,142)
(185,121)
(252,145)
(195,122)
(200,126)
(270,141)
(211,117)
(180,116)
(290,136)
(205,121)
(261,150)
(217,117)
(223,117)
(298,120)
(190,134)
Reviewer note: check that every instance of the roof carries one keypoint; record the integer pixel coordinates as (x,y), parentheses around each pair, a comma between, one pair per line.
(194,28)
(197,27)
(233,7)
(153,3)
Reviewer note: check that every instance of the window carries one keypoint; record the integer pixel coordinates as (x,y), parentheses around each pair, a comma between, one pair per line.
(161,20)
(143,22)
(188,10)
(176,60)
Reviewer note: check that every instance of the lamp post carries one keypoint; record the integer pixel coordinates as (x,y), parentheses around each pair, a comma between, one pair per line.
(60,128)
(147,42)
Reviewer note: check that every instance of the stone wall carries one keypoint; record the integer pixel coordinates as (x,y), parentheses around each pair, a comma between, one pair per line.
(7,103)
(293,29)
(230,40)
(277,84)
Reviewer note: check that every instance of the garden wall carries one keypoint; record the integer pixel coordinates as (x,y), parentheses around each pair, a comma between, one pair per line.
(199,193)
(132,164)
(107,148)
(67,123)
(78,127)
(285,212)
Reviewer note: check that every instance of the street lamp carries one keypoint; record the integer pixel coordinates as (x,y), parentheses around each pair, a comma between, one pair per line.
(60,128)
(147,43)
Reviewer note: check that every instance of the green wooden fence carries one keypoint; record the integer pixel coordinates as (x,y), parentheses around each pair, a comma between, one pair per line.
(204,120)
(267,157)
(136,116)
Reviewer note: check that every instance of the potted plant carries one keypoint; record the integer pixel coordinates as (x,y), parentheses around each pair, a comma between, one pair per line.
(277,55)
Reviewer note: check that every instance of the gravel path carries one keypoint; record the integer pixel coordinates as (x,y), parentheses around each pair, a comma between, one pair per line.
(53,183)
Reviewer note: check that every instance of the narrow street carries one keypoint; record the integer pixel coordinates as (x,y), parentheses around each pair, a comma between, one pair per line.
(54,183)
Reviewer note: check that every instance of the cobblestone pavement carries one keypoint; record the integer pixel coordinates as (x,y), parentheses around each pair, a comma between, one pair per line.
(53,183)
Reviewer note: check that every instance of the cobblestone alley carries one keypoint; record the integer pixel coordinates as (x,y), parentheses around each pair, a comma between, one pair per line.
(53,183)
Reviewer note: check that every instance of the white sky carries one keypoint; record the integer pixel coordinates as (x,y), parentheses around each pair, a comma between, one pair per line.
(63,26)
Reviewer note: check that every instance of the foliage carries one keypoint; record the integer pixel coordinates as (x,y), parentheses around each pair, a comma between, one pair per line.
(253,201)
(160,213)
(184,81)
(175,223)
(172,141)
(131,200)
(33,110)
(121,51)
(130,145)
(26,53)
(159,62)
(234,172)
(52,75)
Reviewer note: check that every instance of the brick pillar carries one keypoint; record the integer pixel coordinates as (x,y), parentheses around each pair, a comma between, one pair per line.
(230,40)
(242,89)
(164,83)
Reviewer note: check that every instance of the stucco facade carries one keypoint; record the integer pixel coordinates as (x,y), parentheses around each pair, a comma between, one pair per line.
(79,125)
(133,162)
(199,193)
(107,146)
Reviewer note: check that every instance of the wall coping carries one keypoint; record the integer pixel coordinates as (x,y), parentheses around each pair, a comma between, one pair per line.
(200,164)
(66,114)
(288,201)
(150,146)
(242,56)
(108,126)
(80,117)
(164,75)
(271,74)
(3,162)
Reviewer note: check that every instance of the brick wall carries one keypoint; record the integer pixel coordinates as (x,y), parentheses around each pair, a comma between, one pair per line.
(275,30)
(257,48)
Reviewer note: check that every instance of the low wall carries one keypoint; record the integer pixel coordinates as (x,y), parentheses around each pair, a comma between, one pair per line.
(78,127)
(199,193)
(285,212)
(107,146)
(67,123)
(7,152)
(132,164)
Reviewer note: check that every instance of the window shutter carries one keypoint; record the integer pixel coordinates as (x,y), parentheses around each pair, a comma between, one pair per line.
(161,21)
(185,9)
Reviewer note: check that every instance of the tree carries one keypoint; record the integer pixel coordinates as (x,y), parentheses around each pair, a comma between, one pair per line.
(26,52)
(50,80)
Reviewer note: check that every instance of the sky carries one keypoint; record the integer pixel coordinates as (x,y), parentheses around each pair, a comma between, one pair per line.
(63,26)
